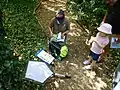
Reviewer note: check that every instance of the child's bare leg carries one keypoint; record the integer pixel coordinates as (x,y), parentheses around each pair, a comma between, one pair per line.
(89,67)
(93,63)
(89,59)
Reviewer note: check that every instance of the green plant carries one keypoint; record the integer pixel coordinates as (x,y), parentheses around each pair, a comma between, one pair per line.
(23,38)
(87,12)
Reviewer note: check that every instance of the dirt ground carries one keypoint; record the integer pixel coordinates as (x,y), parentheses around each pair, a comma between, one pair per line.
(78,51)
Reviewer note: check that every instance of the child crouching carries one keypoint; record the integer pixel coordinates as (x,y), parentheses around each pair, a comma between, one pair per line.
(98,43)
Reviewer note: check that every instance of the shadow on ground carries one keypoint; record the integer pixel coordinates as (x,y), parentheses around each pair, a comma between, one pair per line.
(78,51)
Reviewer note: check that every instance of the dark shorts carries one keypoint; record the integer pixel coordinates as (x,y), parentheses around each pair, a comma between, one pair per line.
(94,55)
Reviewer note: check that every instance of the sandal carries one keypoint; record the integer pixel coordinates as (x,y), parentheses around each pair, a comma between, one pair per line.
(86,62)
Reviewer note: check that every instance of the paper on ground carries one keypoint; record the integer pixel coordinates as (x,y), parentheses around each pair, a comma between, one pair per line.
(117,87)
(38,71)
(46,57)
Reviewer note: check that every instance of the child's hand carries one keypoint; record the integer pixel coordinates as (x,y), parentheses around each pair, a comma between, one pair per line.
(88,42)
(92,39)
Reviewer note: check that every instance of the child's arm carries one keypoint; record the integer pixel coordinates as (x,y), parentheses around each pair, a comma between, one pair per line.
(91,39)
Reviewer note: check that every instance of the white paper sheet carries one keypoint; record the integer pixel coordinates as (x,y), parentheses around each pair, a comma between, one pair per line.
(38,71)
(117,87)
(60,38)
(46,57)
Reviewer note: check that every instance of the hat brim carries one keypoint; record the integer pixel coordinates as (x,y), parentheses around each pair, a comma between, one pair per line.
(101,30)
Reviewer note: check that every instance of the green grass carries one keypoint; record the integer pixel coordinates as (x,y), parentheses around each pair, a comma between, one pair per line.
(24,38)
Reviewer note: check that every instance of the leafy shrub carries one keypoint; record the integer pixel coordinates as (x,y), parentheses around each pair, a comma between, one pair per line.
(87,12)
(24,38)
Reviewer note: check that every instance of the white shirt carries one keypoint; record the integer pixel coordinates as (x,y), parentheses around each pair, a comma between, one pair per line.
(101,41)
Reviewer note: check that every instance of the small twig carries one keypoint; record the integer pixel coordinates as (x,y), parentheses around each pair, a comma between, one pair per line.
(34,13)
(36,8)
(39,22)
(80,25)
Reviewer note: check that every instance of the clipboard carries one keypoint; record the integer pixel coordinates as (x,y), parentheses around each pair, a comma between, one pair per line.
(44,56)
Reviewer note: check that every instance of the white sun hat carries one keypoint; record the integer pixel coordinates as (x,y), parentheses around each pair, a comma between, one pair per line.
(105,28)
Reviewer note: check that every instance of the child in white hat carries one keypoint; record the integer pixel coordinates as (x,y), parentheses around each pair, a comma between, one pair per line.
(98,43)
